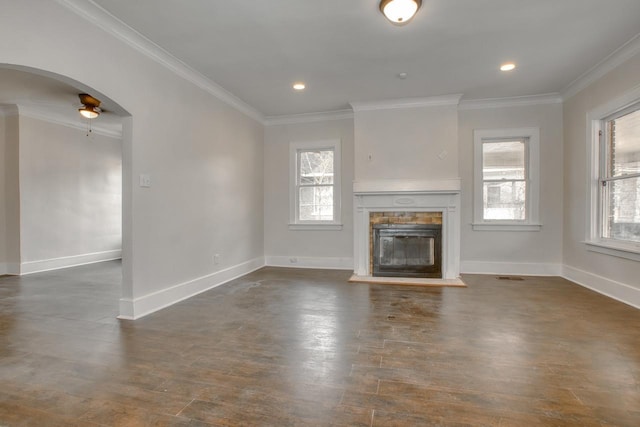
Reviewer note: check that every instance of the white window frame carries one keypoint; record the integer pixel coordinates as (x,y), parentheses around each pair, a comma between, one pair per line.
(294,219)
(531,222)
(595,124)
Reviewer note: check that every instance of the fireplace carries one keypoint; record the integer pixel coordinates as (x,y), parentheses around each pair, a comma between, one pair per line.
(407,250)
(438,200)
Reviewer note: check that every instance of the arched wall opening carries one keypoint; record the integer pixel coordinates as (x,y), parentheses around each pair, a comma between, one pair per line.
(58,101)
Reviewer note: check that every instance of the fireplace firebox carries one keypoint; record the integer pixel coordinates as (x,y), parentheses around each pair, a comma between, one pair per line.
(407,250)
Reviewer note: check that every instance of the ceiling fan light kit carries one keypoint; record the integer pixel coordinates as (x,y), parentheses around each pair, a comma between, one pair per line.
(399,12)
(90,106)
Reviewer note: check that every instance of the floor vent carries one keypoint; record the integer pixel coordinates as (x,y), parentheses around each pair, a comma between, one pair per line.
(510,278)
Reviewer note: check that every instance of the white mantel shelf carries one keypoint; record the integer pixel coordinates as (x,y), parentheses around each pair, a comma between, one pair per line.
(392,186)
(408,195)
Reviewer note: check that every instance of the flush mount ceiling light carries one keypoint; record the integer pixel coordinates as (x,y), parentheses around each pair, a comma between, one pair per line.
(299,86)
(90,106)
(508,66)
(399,12)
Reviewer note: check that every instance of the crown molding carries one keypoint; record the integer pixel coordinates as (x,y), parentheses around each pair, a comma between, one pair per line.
(308,117)
(63,121)
(391,104)
(7,110)
(514,101)
(619,56)
(101,18)
(471,104)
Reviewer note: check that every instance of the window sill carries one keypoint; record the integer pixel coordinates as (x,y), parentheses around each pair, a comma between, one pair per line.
(502,226)
(621,250)
(315,227)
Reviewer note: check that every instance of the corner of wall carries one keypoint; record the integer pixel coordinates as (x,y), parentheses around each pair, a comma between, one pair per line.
(611,288)
(136,308)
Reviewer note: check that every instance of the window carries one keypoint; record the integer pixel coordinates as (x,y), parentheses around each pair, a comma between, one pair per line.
(506,179)
(315,185)
(614,190)
(620,176)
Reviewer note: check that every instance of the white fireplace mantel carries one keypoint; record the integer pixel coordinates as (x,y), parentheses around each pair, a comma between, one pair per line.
(409,196)
(406,186)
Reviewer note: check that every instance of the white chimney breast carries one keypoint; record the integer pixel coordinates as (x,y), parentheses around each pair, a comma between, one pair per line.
(409,142)
(406,159)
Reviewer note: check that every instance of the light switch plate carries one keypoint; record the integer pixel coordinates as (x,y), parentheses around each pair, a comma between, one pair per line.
(145,180)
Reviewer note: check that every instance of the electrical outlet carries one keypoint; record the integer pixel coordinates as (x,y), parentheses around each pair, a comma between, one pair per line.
(216,259)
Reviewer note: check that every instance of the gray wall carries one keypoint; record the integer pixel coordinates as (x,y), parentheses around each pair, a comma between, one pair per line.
(70,191)
(594,269)
(10,191)
(281,243)
(406,143)
(542,249)
(204,156)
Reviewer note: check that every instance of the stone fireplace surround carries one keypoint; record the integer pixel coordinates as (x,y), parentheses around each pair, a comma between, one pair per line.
(412,196)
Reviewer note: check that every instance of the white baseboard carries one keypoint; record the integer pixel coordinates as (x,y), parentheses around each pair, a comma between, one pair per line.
(67,261)
(132,309)
(616,290)
(332,263)
(13,268)
(514,268)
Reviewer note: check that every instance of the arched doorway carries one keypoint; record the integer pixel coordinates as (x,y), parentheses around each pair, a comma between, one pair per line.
(42,234)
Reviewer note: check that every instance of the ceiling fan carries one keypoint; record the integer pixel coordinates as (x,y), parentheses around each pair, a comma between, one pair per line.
(90,106)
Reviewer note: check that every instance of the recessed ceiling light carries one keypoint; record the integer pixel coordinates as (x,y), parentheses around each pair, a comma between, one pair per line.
(402,75)
(299,86)
(508,66)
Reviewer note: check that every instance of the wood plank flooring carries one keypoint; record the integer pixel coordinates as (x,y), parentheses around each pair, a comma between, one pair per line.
(287,347)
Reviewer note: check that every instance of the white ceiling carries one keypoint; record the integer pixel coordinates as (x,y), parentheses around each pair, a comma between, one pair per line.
(346,51)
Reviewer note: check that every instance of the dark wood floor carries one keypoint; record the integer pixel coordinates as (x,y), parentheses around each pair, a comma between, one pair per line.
(287,347)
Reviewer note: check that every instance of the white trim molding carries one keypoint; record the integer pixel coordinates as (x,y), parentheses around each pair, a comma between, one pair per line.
(628,251)
(293,119)
(511,268)
(611,288)
(101,18)
(327,263)
(315,227)
(383,186)
(618,57)
(392,104)
(499,226)
(9,268)
(514,101)
(133,309)
(30,267)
